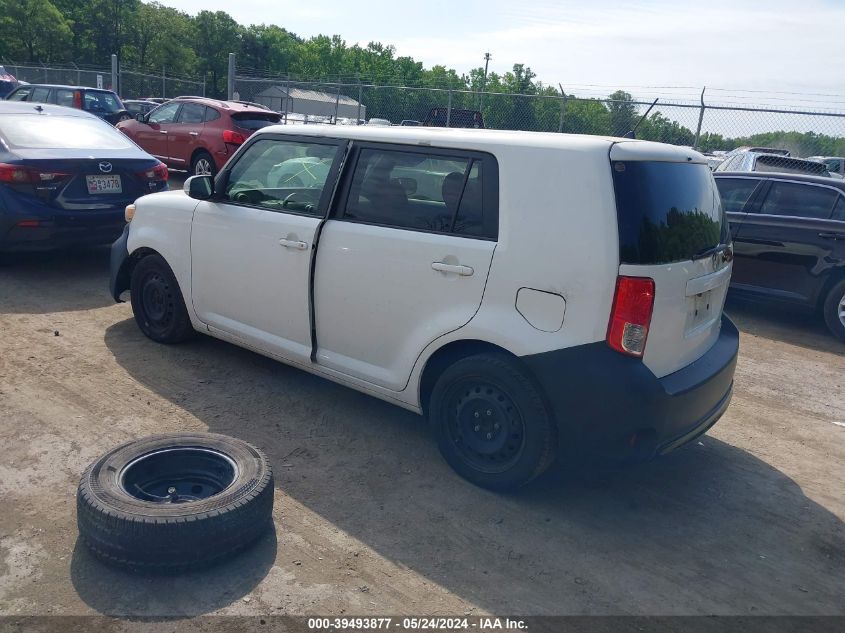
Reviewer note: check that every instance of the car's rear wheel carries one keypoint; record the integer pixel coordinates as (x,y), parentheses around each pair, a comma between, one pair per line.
(491,423)
(157,301)
(834,310)
(203,165)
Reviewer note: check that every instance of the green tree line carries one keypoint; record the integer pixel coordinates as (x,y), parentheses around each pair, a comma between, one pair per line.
(150,36)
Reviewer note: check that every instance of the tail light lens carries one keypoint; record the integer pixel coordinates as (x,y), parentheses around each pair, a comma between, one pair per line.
(21,175)
(77,99)
(157,173)
(630,317)
(232,137)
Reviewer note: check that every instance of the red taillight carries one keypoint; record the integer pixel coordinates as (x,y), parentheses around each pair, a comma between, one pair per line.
(77,99)
(20,175)
(157,173)
(232,137)
(630,317)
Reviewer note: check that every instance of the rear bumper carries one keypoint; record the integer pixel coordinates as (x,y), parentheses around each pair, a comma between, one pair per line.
(610,404)
(49,234)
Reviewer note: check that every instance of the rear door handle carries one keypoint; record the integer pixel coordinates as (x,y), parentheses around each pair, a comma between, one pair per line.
(833,236)
(463,271)
(296,244)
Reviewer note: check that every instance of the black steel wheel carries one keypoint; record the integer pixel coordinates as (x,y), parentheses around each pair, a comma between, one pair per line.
(491,423)
(157,302)
(175,501)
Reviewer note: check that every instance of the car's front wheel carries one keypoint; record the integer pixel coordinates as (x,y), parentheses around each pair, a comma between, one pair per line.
(491,422)
(157,302)
(834,310)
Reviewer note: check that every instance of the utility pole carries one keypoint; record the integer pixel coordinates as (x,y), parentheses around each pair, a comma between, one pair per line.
(487,58)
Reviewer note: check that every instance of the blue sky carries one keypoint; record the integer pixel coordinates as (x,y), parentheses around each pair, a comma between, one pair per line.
(775,46)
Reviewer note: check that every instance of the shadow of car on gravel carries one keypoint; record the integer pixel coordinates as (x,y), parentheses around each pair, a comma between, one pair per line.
(55,281)
(707,529)
(783,323)
(122,592)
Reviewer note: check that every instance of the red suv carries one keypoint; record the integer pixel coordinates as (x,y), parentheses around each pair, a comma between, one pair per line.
(197,134)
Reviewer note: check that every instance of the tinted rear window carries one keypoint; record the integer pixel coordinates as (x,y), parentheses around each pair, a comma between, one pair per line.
(667,212)
(102,102)
(789,165)
(27,131)
(256,120)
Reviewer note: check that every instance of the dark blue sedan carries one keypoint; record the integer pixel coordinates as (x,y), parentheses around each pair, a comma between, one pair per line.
(66,177)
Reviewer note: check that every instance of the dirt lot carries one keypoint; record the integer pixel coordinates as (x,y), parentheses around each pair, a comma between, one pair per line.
(369,519)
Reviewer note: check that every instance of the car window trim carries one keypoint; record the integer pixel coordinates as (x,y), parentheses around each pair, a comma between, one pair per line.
(222,179)
(489,188)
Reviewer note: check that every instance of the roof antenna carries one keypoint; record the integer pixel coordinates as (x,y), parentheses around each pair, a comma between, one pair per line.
(632,133)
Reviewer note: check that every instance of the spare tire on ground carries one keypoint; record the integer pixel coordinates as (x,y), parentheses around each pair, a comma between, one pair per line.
(175,501)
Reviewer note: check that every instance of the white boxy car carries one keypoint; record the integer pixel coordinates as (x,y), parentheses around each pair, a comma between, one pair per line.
(533,295)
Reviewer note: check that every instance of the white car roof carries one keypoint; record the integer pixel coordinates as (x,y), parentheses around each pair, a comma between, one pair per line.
(494,141)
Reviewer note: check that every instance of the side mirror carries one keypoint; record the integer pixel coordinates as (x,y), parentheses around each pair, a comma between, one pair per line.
(140,117)
(199,187)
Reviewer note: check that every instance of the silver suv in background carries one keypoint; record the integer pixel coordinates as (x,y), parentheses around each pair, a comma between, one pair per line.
(749,160)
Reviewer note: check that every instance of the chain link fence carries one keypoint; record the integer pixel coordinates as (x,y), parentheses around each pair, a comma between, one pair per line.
(709,127)
(132,84)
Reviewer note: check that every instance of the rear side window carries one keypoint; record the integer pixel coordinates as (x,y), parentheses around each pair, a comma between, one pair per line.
(839,210)
(40,95)
(666,212)
(419,191)
(64,97)
(192,113)
(101,102)
(211,114)
(735,192)
(797,200)
(255,120)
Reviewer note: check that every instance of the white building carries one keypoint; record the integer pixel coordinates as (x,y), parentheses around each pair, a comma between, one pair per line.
(311,102)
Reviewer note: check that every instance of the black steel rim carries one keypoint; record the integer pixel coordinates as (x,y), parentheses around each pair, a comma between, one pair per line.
(157,302)
(484,425)
(178,475)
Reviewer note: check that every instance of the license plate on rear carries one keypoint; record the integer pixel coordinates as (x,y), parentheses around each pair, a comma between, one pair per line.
(104,184)
(701,310)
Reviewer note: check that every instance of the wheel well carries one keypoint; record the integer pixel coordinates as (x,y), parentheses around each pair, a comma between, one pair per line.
(197,152)
(448,355)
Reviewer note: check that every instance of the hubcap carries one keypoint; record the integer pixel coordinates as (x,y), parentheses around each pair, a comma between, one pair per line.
(178,475)
(485,426)
(203,167)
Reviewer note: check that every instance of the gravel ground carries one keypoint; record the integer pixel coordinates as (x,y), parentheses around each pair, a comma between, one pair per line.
(370,520)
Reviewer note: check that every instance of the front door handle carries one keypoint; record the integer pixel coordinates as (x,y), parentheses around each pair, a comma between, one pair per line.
(296,244)
(463,271)
(194,133)
(833,236)
(162,131)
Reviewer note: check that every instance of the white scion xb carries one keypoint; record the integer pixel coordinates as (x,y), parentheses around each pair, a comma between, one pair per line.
(532,294)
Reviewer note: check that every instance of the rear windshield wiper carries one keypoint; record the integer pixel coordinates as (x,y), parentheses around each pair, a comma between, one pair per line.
(707,252)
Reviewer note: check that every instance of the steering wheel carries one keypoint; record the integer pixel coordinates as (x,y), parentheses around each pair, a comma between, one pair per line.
(242,196)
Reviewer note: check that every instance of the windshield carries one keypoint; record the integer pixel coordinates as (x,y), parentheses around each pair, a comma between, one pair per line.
(666,212)
(23,131)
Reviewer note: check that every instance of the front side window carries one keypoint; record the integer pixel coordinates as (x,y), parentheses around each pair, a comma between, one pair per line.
(282,176)
(839,210)
(164,114)
(802,201)
(419,191)
(735,192)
